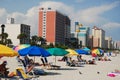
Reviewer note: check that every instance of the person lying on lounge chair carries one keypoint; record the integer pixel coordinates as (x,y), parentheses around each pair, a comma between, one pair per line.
(91,61)
(51,66)
(70,62)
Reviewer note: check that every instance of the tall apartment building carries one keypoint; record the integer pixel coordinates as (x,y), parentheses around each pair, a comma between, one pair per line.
(13,30)
(98,37)
(118,45)
(53,26)
(108,42)
(82,33)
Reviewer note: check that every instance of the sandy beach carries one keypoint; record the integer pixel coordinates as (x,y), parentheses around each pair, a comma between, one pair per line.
(88,72)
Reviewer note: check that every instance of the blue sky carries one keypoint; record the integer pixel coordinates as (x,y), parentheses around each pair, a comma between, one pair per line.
(101,13)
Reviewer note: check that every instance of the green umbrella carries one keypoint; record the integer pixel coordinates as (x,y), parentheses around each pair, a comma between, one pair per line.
(57,51)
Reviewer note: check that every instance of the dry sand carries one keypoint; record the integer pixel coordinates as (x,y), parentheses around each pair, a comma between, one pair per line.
(89,72)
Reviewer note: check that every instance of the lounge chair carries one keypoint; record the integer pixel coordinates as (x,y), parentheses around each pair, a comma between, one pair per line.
(20,72)
(50,66)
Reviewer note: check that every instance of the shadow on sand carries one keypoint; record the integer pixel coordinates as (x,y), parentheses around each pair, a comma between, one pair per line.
(53,73)
(67,68)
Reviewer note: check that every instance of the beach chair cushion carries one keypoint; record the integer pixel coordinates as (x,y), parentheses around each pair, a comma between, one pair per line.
(20,72)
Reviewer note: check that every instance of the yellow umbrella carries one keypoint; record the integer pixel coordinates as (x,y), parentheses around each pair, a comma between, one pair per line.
(6,51)
(71,52)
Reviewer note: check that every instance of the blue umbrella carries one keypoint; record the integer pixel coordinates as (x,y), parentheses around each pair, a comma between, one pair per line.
(86,49)
(80,51)
(34,51)
(101,51)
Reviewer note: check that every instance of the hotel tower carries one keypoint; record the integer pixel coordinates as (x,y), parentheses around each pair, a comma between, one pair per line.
(53,26)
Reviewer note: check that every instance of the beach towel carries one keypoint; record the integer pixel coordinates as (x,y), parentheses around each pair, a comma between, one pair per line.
(113,74)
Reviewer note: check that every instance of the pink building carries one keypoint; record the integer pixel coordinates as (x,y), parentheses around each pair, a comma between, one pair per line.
(53,26)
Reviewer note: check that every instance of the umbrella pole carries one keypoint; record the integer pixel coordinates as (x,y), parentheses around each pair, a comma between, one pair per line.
(55,60)
(34,59)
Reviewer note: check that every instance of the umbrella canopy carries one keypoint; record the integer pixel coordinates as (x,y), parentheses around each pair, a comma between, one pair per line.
(71,52)
(6,51)
(96,52)
(80,51)
(86,49)
(57,51)
(34,51)
(21,46)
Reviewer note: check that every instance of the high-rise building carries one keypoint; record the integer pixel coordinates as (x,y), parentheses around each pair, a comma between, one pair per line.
(53,26)
(13,30)
(82,34)
(108,42)
(98,37)
(118,45)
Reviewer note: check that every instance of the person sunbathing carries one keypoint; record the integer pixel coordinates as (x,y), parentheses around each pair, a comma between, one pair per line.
(91,61)
(117,71)
(106,59)
(3,69)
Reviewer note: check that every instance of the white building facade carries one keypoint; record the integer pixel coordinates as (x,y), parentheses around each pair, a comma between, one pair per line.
(13,30)
(100,35)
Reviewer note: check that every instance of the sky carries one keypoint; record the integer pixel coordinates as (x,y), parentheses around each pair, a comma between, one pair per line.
(104,14)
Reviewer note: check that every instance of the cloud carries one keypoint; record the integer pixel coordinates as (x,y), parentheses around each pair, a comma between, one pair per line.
(93,15)
(111,25)
(58,6)
(112,29)
(3,12)
(19,17)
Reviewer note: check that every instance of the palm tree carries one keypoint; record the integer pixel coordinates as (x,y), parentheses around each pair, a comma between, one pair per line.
(34,40)
(21,37)
(4,38)
(2,31)
(8,42)
(41,40)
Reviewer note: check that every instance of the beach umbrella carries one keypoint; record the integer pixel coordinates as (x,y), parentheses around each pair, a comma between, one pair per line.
(71,52)
(34,51)
(57,51)
(6,51)
(21,46)
(96,52)
(80,51)
(86,49)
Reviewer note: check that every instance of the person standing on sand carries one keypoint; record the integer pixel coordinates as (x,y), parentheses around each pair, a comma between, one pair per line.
(43,62)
